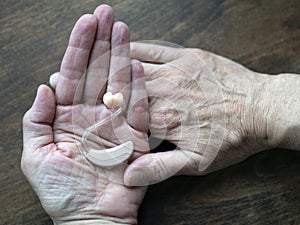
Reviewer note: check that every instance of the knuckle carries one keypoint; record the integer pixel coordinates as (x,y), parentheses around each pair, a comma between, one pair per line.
(133,50)
(156,53)
(161,170)
(167,117)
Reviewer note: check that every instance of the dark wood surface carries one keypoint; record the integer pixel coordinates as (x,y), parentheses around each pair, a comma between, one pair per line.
(260,34)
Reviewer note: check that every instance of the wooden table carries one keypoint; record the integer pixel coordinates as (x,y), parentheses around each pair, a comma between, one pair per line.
(262,35)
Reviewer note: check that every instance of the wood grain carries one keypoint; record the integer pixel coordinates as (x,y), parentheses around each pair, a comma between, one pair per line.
(262,35)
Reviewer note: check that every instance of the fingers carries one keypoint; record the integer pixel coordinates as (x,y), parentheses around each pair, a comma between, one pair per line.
(119,74)
(154,71)
(138,111)
(98,68)
(75,60)
(151,72)
(154,167)
(37,122)
(154,53)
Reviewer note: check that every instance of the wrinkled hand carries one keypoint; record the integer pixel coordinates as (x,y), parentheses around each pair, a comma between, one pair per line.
(207,105)
(71,188)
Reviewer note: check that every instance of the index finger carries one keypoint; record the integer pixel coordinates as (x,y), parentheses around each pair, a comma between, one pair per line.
(154,53)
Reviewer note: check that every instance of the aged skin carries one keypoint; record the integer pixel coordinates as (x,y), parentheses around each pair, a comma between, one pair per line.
(216,111)
(70,188)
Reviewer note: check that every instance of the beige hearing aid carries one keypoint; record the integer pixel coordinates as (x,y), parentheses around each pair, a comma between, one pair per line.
(112,156)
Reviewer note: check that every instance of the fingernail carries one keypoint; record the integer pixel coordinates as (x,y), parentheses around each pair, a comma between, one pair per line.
(137,178)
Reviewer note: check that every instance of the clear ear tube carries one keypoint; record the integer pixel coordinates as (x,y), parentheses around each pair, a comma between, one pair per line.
(107,157)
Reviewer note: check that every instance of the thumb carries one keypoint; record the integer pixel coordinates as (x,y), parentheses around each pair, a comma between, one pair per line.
(37,122)
(155,167)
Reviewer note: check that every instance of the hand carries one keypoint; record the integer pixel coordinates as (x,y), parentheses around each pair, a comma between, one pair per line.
(212,108)
(71,189)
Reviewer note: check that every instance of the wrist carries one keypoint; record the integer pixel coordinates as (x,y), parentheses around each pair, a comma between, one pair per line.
(279,107)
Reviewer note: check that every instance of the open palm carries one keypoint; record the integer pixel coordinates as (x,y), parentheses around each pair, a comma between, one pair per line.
(70,187)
